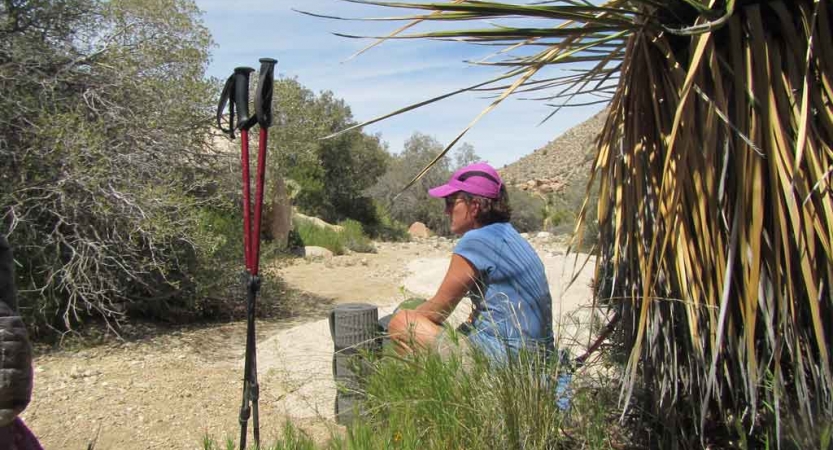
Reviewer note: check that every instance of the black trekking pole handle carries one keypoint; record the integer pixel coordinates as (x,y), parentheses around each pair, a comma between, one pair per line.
(226,99)
(241,97)
(263,95)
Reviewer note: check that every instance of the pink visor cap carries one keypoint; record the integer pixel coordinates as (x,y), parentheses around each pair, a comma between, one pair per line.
(476,179)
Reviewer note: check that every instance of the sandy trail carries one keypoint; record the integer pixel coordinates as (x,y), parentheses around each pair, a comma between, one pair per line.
(169,389)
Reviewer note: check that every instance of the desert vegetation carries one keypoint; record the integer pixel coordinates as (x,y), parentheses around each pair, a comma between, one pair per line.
(708,202)
(713,210)
(120,196)
(429,402)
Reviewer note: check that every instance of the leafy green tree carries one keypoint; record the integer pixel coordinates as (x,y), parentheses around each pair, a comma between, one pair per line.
(332,174)
(465,155)
(414,204)
(104,159)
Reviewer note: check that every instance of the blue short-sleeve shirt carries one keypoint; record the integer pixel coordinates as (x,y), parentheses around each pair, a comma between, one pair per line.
(513,306)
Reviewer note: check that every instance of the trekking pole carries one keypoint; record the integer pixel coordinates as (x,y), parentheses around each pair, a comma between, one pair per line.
(240,88)
(251,389)
(236,95)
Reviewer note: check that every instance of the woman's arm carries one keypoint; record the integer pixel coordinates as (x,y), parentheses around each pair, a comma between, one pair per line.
(457,282)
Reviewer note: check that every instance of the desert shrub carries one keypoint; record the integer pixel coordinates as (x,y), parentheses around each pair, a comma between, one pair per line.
(354,237)
(102,176)
(414,204)
(218,276)
(385,228)
(562,211)
(527,210)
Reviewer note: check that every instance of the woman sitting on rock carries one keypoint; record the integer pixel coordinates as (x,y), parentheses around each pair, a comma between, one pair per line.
(494,266)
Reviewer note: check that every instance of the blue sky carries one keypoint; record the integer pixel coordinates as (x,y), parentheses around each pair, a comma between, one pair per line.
(388,77)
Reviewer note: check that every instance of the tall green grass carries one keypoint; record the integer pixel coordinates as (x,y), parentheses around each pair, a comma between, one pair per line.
(428,402)
(292,438)
(425,401)
(352,237)
(442,405)
(313,235)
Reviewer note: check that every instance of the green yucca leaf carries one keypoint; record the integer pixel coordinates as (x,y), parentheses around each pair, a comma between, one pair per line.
(503,33)
(420,104)
(482,10)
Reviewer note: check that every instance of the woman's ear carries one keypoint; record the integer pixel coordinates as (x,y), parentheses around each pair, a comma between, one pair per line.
(474,208)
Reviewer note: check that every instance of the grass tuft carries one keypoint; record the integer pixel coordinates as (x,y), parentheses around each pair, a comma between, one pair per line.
(425,401)
(352,237)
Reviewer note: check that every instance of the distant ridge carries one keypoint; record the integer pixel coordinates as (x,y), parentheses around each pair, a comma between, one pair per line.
(562,162)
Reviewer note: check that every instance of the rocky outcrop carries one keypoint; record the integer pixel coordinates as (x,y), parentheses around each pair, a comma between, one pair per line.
(561,163)
(318,222)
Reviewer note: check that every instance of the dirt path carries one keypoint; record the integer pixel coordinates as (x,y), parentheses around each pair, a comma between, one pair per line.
(170,388)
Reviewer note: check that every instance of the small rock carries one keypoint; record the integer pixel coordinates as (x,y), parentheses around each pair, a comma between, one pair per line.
(313,252)
(363,261)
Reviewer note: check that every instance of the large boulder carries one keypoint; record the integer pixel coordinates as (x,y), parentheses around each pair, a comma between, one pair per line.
(318,222)
(419,230)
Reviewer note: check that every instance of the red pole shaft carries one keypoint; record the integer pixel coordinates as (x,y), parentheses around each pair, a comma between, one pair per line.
(244,144)
(259,188)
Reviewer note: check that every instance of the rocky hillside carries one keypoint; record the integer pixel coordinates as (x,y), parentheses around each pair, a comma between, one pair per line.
(560,163)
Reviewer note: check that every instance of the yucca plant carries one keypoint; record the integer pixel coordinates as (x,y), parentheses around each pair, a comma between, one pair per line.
(715,209)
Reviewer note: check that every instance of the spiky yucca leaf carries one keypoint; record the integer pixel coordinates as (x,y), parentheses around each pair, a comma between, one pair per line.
(718,229)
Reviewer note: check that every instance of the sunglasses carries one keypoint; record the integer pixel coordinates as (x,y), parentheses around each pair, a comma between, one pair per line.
(451,201)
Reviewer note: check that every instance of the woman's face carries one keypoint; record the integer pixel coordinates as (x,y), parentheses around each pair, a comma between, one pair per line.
(462,213)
